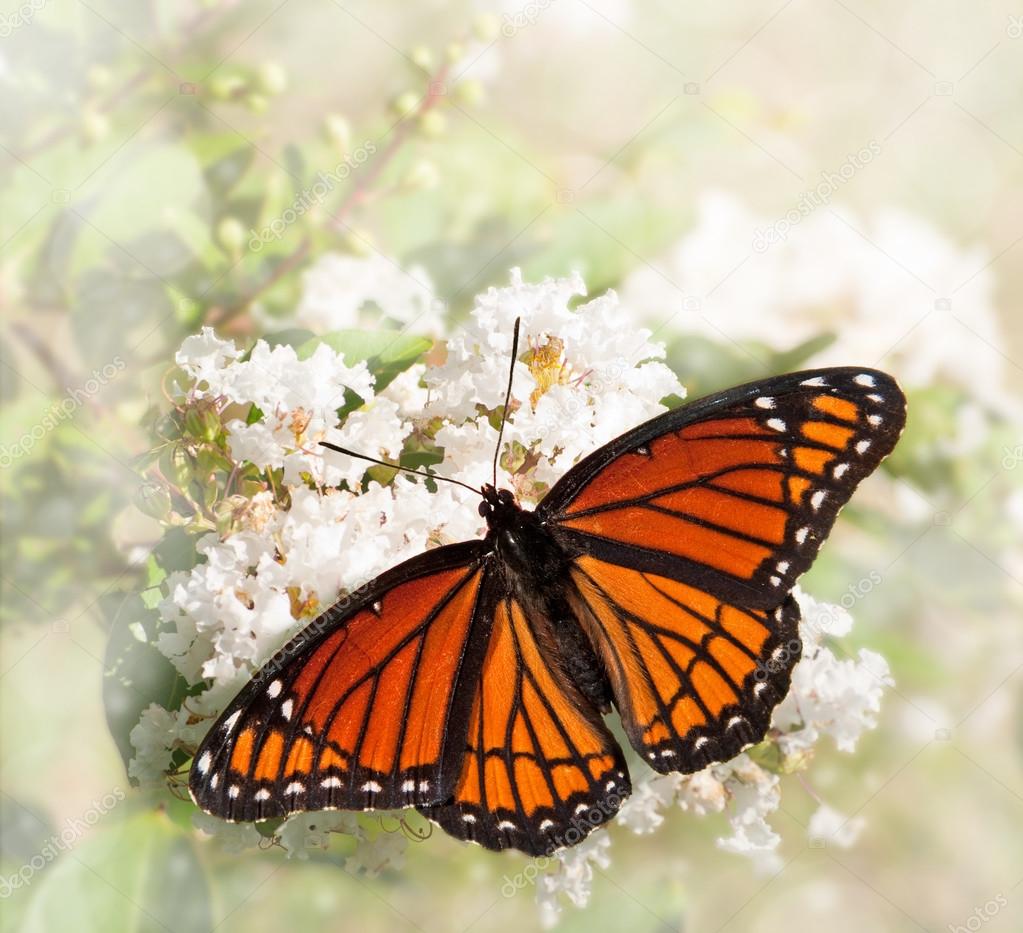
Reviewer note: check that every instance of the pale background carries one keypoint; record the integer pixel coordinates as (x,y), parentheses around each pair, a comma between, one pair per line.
(598,128)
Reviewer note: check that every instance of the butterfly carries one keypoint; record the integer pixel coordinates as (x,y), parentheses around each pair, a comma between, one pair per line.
(655,577)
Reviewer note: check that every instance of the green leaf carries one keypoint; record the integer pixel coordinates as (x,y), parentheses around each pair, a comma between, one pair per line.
(386,353)
(136,874)
(135,674)
(792,360)
(224,173)
(176,551)
(291,336)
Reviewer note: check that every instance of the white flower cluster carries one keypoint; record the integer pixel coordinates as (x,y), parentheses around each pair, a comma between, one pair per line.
(895,290)
(828,697)
(342,292)
(298,400)
(587,381)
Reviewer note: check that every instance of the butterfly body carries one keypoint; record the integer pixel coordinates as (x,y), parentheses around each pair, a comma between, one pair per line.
(536,571)
(471,681)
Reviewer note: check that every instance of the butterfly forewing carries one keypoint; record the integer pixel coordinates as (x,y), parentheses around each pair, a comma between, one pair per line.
(363,709)
(733,494)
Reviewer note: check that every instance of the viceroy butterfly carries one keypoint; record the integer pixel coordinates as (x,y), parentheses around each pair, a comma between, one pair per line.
(471,681)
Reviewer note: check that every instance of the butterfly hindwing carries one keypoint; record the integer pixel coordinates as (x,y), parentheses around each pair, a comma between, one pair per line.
(733,494)
(363,709)
(541,770)
(695,679)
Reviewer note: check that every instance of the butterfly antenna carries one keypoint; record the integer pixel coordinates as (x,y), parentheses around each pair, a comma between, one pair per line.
(507,394)
(397,466)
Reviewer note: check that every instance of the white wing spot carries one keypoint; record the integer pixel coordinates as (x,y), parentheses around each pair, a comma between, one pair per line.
(545,825)
(372,786)
(764,402)
(864,380)
(263,794)
(759,688)
(582,808)
(668,753)
(610,785)
(700,742)
(408,786)
(644,450)
(468,818)
(295,787)
(840,470)
(231,720)
(862,447)
(307,729)
(734,721)
(783,566)
(816,381)
(331,782)
(203,764)
(214,781)
(424,786)
(801,535)
(506,824)
(817,499)
(775,581)
(875,420)
(286,708)
(776,424)
(233,791)
(274,689)
(377,606)
(874,397)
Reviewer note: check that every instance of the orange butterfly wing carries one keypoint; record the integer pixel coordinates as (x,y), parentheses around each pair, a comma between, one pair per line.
(736,493)
(363,709)
(695,678)
(688,534)
(541,769)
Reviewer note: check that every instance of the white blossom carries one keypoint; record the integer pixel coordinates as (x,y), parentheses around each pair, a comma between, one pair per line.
(204,356)
(384,851)
(152,738)
(571,876)
(230,837)
(832,827)
(341,292)
(302,833)
(890,285)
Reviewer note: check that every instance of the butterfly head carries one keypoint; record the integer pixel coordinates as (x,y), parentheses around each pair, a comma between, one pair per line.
(498,505)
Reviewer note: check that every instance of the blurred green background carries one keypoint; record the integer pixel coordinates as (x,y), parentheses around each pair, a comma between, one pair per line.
(648,146)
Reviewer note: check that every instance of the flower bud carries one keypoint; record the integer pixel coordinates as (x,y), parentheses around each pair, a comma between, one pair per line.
(273,78)
(432,123)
